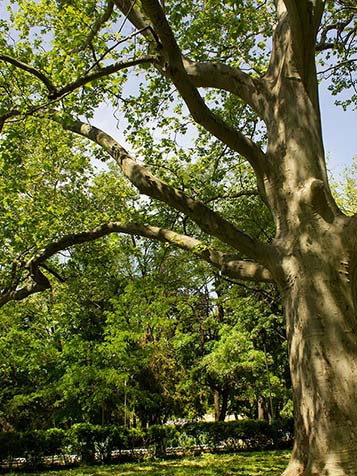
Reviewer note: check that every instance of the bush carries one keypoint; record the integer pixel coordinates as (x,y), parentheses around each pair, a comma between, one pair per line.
(82,438)
(159,437)
(93,442)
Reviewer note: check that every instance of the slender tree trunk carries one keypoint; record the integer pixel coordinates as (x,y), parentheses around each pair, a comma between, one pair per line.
(217,406)
(220,397)
(260,409)
(224,406)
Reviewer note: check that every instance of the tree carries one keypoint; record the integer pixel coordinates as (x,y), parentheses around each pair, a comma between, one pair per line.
(67,58)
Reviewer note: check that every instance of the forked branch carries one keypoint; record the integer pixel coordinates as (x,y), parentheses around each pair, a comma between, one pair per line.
(55,93)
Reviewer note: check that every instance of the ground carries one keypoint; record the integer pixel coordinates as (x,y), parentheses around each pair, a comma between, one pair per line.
(268,463)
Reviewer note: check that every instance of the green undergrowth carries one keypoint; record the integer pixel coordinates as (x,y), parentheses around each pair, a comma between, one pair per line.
(267,463)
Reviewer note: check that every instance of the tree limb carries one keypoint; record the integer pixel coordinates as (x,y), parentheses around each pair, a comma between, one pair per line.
(30,69)
(39,283)
(174,68)
(55,93)
(304,19)
(238,269)
(136,18)
(233,80)
(208,220)
(97,26)
(102,72)
(231,267)
(244,85)
(211,75)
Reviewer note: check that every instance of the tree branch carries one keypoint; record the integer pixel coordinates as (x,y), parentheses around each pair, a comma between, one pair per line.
(55,93)
(174,68)
(208,220)
(243,270)
(224,77)
(210,75)
(39,283)
(102,72)
(6,116)
(30,69)
(304,19)
(97,26)
(136,18)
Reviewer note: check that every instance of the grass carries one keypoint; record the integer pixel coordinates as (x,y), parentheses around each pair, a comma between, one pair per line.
(268,463)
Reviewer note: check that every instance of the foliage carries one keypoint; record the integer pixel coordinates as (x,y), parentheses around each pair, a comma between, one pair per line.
(93,443)
(210,89)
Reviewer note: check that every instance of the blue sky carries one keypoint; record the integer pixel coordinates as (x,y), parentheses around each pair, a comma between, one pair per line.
(339,130)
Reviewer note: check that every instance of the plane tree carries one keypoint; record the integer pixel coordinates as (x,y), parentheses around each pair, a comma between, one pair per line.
(246,73)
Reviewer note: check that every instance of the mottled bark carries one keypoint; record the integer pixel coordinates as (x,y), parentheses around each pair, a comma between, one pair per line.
(316,274)
(322,334)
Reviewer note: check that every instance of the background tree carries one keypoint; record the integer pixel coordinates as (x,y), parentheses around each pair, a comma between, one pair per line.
(66,59)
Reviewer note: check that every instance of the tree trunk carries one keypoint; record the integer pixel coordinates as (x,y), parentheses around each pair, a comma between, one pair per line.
(217,407)
(322,335)
(224,406)
(315,270)
(220,397)
(260,409)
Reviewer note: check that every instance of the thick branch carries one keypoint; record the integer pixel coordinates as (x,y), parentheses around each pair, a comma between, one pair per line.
(210,75)
(304,19)
(239,269)
(233,80)
(136,18)
(175,70)
(39,283)
(208,220)
(243,270)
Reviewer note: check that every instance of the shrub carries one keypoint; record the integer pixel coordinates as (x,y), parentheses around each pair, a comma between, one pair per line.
(93,442)
(82,438)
